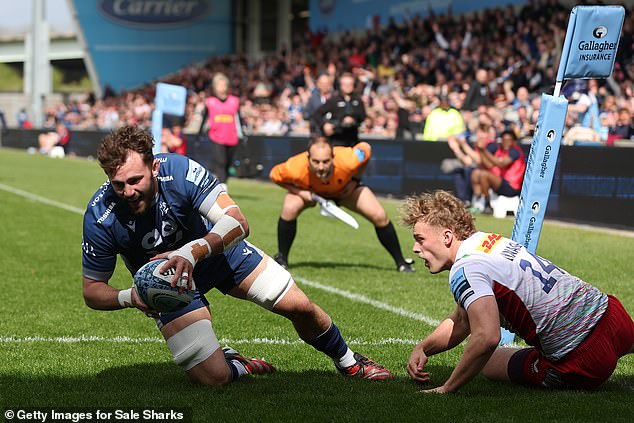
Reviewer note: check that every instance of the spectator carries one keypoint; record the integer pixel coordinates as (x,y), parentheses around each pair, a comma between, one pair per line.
(479,93)
(58,138)
(340,117)
(444,122)
(503,167)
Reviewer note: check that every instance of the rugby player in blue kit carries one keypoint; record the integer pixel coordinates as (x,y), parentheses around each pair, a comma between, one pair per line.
(169,206)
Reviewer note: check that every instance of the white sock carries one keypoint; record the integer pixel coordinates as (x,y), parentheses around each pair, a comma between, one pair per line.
(239,367)
(346,360)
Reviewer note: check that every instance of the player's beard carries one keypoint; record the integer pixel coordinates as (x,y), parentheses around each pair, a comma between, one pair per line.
(142,204)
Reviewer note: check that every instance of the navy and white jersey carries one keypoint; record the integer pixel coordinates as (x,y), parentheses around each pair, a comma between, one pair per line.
(186,192)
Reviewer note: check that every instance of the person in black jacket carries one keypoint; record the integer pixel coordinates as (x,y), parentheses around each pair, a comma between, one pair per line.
(339,118)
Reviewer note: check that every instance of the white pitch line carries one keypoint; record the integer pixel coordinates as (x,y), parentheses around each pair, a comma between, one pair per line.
(40,199)
(155,340)
(363,299)
(342,293)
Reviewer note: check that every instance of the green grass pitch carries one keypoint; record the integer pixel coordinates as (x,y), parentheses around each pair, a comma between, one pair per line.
(56,352)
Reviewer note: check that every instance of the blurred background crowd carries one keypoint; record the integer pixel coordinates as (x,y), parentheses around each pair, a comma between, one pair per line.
(430,79)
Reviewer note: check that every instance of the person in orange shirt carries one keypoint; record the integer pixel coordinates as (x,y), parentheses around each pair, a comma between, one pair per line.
(333,173)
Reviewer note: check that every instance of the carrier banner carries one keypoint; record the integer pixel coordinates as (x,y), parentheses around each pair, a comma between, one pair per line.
(540,170)
(592,39)
(133,42)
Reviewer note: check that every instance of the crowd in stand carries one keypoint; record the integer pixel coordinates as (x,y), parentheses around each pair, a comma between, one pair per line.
(423,78)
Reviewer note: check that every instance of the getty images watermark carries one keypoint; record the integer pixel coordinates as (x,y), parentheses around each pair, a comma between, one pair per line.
(76,415)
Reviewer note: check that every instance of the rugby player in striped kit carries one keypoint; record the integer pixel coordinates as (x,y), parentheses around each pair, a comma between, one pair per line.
(576,332)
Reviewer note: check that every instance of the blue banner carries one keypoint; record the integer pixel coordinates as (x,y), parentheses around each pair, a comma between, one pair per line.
(169,99)
(540,170)
(592,39)
(133,42)
(341,15)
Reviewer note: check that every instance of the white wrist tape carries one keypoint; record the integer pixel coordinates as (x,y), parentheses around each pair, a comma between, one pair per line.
(193,251)
(125,298)
(216,211)
(229,230)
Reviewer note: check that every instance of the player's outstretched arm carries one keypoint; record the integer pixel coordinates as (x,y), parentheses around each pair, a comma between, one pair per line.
(484,322)
(99,295)
(451,332)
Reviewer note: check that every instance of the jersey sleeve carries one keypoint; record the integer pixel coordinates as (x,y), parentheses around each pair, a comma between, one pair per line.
(294,171)
(362,153)
(468,283)
(200,186)
(99,257)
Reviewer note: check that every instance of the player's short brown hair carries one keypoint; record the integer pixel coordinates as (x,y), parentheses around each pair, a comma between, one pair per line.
(438,208)
(115,147)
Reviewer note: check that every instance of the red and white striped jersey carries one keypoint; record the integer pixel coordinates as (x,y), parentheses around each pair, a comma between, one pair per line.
(545,305)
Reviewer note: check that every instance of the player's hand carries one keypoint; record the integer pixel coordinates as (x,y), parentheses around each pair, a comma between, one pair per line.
(349,121)
(307,196)
(416,364)
(329,129)
(138,303)
(438,390)
(183,271)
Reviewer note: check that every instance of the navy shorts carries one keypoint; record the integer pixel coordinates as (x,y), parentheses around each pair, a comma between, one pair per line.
(222,272)
(507,190)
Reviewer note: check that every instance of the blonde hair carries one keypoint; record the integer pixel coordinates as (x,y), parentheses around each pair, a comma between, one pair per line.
(438,208)
(217,78)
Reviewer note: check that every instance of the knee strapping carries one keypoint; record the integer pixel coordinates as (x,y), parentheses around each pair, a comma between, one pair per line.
(270,286)
(194,344)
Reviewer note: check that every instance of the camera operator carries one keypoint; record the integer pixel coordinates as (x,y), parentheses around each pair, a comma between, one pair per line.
(341,115)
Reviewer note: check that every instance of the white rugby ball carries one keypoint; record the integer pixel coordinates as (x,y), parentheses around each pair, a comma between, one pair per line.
(155,290)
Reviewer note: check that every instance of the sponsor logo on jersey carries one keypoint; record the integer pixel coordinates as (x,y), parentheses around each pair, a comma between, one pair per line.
(168,178)
(105,214)
(460,287)
(489,242)
(98,198)
(196,173)
(132,225)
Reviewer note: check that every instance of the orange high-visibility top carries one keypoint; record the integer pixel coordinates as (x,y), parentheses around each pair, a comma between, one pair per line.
(347,161)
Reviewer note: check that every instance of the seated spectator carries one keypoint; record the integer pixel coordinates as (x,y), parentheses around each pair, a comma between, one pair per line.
(173,140)
(60,137)
(502,169)
(624,129)
(467,159)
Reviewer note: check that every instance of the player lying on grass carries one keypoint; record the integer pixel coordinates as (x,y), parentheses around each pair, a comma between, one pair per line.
(576,332)
(169,206)
(332,173)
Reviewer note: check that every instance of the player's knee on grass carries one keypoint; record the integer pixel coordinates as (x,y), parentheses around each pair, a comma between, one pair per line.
(212,372)
(270,286)
(193,344)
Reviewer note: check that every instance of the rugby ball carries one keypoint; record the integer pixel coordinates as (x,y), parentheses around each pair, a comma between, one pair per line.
(155,290)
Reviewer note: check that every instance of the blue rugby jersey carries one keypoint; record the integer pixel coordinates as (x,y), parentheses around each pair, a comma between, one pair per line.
(185,190)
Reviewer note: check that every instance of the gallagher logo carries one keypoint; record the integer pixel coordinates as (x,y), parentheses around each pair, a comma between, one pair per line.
(154,14)
(600,32)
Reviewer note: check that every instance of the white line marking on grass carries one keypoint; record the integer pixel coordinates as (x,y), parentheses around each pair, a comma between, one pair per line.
(41,199)
(342,293)
(154,340)
(363,299)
